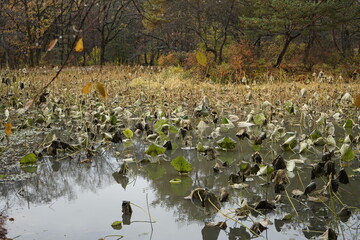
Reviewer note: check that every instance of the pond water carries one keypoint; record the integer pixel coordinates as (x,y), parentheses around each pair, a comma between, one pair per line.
(71,200)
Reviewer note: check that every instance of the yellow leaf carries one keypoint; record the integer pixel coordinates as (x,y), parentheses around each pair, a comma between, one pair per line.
(101,89)
(87,88)
(51,44)
(79,47)
(357,101)
(8,127)
(201,58)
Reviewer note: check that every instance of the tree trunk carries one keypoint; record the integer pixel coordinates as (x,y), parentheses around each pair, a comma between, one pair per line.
(220,59)
(214,52)
(31,57)
(345,41)
(145,59)
(152,58)
(307,63)
(288,40)
(102,54)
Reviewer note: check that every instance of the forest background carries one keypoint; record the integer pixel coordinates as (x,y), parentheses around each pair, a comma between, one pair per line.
(231,39)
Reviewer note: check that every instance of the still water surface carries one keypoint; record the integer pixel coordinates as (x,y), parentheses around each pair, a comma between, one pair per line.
(73,200)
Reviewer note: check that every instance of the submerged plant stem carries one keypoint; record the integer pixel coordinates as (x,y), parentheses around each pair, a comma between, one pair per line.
(297,214)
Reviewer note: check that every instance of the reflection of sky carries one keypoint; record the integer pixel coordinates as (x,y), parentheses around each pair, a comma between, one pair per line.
(81,201)
(90,215)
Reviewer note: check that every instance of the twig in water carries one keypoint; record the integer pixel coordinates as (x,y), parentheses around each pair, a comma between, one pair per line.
(147,205)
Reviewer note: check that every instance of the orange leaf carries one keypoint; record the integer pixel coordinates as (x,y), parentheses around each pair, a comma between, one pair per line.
(52,44)
(79,47)
(357,101)
(101,89)
(8,128)
(87,88)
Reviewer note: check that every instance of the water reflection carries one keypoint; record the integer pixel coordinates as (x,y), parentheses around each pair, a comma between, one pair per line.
(70,182)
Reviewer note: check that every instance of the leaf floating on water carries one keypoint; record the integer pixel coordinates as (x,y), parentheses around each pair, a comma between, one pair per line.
(297,192)
(290,143)
(348,124)
(154,150)
(181,165)
(52,44)
(257,158)
(79,47)
(117,225)
(101,90)
(287,217)
(344,214)
(279,163)
(201,58)
(315,134)
(8,129)
(175,181)
(289,107)
(258,228)
(280,177)
(343,177)
(200,147)
(290,165)
(347,154)
(265,170)
(259,119)
(30,158)
(128,133)
(87,88)
(242,134)
(224,195)
(264,205)
(227,143)
(311,187)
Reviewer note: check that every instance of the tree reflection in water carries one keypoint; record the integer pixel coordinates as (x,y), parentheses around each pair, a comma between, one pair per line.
(70,178)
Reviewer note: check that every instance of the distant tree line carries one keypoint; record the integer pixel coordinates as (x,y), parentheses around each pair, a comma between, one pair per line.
(150,32)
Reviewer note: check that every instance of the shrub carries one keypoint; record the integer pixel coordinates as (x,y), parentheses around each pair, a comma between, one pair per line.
(172,59)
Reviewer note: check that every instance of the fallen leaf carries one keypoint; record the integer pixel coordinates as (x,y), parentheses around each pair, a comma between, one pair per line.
(8,127)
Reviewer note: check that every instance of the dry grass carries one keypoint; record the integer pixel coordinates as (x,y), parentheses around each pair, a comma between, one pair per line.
(173,87)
